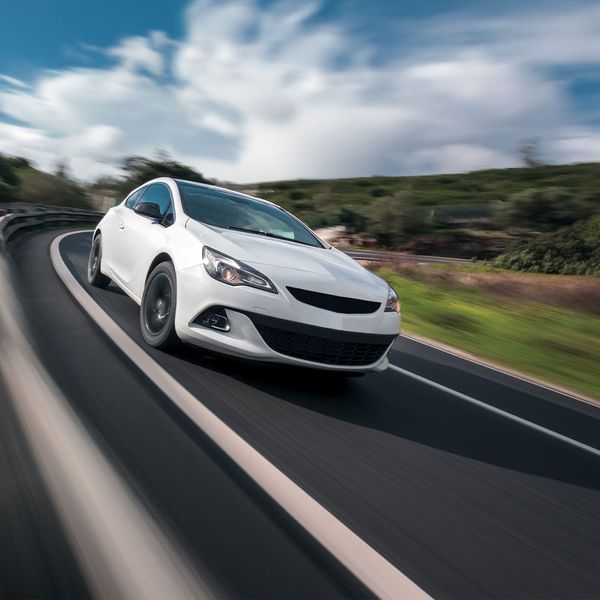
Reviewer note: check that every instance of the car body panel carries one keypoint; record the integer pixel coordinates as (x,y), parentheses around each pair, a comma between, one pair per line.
(132,242)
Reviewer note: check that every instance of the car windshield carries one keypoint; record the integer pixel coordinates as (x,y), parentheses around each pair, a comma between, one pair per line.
(228,210)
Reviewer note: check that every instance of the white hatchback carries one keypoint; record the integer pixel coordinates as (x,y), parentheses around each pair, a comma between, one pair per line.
(241,276)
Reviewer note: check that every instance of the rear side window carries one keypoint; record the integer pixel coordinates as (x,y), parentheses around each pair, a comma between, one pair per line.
(130,202)
(158,193)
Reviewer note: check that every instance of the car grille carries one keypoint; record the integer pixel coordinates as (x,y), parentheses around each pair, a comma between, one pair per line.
(337,304)
(321,349)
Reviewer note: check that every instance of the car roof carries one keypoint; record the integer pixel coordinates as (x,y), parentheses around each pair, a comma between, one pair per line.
(216,187)
(205,185)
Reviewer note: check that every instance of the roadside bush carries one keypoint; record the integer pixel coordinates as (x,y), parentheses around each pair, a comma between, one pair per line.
(573,250)
(6,192)
(545,209)
(297,195)
(379,192)
(9,180)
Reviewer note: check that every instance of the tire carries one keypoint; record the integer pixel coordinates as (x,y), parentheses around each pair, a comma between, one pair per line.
(94,274)
(157,312)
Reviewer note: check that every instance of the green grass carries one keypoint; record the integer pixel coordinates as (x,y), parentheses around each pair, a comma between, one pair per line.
(551,342)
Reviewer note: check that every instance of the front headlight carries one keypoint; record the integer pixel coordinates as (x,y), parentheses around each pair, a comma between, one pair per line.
(233,272)
(392,304)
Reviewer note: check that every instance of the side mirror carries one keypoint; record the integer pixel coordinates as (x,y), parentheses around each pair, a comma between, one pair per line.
(148,209)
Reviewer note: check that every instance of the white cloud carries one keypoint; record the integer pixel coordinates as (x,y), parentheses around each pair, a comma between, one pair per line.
(142,52)
(252,94)
(12,81)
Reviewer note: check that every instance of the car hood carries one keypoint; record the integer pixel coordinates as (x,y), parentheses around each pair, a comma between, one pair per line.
(325,270)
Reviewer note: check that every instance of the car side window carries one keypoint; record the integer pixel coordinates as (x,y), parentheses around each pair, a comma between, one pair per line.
(133,198)
(159,194)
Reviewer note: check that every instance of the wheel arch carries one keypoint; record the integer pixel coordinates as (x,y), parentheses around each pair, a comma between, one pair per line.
(160,258)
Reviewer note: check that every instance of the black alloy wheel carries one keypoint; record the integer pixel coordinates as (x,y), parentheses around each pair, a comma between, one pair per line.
(94,274)
(157,313)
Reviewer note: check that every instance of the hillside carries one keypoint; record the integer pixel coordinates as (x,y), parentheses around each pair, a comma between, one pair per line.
(21,182)
(465,214)
(480,189)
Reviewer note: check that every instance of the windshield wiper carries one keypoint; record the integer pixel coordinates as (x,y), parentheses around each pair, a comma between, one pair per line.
(269,234)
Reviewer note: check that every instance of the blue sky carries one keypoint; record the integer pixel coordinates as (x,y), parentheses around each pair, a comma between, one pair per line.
(252,89)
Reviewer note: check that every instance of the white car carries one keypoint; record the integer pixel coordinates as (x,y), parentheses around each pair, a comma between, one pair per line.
(241,276)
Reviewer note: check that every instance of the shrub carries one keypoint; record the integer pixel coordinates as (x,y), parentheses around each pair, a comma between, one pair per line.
(573,250)
(545,209)
(353,219)
(297,195)
(379,192)
(9,180)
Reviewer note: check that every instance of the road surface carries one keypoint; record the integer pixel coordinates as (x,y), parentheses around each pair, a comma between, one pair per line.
(464,501)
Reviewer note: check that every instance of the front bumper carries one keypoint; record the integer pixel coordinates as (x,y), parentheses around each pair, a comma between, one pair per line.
(278,328)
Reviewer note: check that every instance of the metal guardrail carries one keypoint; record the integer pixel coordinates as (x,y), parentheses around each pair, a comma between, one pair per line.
(21,219)
(376,256)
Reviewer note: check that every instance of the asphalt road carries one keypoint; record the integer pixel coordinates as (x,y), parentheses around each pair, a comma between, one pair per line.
(35,557)
(464,502)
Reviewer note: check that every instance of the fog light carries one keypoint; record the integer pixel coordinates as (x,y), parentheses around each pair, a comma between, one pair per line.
(217,322)
(214,318)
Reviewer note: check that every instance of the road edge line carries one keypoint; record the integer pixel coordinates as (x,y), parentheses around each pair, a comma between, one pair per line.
(122,551)
(499,368)
(497,411)
(365,563)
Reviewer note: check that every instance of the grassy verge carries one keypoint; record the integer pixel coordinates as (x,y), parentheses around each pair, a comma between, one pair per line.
(464,308)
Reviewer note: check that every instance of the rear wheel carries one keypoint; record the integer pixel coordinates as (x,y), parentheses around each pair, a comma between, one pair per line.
(157,313)
(94,274)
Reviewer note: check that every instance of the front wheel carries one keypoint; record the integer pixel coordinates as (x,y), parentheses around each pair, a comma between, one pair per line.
(157,313)
(94,274)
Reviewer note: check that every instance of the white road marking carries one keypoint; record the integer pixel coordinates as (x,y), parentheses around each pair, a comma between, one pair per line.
(497,411)
(122,551)
(503,370)
(367,565)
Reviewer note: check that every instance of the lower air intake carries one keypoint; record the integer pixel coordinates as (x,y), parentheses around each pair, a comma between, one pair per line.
(321,345)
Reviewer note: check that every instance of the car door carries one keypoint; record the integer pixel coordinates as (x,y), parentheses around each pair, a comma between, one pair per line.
(114,235)
(145,235)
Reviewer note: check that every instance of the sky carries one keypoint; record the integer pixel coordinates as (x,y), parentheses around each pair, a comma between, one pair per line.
(257,90)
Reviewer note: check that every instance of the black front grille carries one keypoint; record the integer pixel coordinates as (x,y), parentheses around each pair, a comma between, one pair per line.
(319,344)
(340,304)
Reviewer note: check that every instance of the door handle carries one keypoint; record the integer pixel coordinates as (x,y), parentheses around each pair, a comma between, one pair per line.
(121,226)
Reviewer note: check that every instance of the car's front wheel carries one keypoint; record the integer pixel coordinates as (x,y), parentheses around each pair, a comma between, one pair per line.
(94,274)
(157,313)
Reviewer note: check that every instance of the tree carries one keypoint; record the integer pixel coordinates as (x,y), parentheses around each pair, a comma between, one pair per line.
(42,188)
(391,219)
(62,169)
(354,220)
(139,169)
(529,151)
